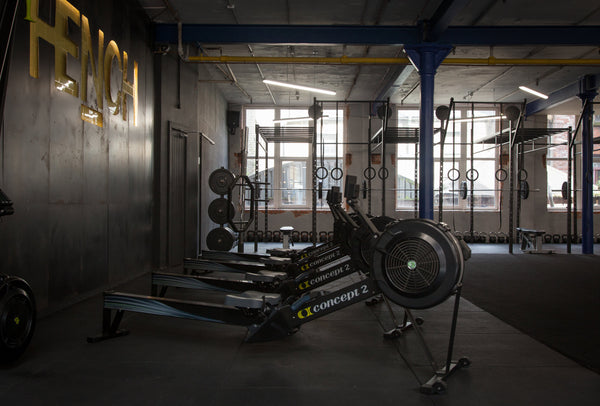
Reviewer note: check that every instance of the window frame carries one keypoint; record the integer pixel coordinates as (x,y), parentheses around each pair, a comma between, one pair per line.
(275,155)
(462,158)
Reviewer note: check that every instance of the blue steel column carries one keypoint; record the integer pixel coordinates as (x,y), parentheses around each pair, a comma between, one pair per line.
(426,59)
(587,206)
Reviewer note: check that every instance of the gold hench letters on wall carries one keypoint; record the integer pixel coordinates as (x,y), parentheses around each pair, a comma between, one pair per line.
(58,36)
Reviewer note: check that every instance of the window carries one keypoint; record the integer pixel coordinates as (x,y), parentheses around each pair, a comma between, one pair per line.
(457,155)
(557,162)
(289,172)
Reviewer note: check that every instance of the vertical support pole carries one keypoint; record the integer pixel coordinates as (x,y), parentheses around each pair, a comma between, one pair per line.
(383,154)
(426,161)
(574,187)
(369,163)
(266,192)
(416,188)
(569,188)
(472,169)
(511,194)
(426,58)
(588,92)
(314,170)
(256,179)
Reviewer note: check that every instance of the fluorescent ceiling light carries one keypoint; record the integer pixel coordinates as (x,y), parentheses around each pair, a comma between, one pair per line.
(534,92)
(310,89)
(482,118)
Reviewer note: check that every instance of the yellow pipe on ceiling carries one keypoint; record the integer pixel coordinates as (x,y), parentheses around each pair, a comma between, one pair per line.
(346,60)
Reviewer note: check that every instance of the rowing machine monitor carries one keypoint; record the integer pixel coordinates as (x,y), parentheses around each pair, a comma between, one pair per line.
(351,189)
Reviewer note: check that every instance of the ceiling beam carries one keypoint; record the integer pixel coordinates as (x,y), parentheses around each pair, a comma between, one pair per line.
(585,84)
(441,19)
(381,35)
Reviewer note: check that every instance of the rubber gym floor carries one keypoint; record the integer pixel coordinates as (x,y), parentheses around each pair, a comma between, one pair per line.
(341,359)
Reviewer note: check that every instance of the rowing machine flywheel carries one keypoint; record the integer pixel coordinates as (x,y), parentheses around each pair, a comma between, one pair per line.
(417,263)
(17,317)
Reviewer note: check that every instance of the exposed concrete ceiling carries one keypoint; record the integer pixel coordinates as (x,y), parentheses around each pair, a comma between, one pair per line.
(366,82)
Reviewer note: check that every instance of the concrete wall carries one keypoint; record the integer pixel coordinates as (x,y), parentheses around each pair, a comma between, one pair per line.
(91,202)
(197,107)
(82,193)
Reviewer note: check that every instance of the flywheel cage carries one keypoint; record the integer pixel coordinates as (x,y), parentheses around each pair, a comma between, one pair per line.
(412,266)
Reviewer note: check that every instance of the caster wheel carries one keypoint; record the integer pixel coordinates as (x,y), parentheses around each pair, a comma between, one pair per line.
(439,387)
(419,320)
(464,362)
(392,334)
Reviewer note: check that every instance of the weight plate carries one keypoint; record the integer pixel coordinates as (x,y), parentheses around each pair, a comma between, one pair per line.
(501,175)
(221,210)
(221,180)
(221,239)
(564,190)
(417,263)
(17,319)
(463,189)
(524,190)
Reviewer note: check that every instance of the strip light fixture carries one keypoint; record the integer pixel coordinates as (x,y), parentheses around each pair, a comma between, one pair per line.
(299,87)
(533,92)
